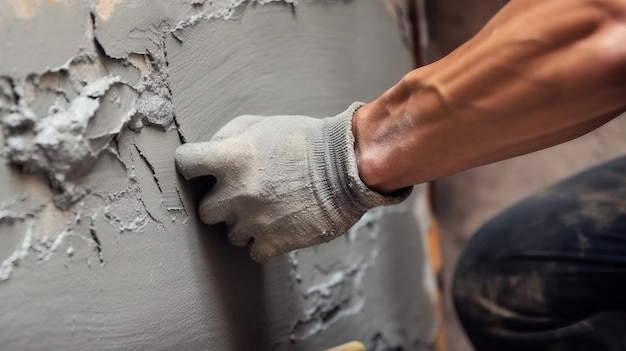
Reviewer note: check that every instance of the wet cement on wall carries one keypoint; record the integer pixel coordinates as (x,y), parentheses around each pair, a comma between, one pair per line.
(100,246)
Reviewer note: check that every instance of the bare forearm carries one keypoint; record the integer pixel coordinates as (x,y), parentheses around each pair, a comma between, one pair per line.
(540,73)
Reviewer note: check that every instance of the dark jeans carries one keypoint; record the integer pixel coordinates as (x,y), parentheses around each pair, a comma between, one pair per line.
(549,273)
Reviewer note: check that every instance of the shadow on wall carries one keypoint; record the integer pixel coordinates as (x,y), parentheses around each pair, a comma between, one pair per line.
(237,281)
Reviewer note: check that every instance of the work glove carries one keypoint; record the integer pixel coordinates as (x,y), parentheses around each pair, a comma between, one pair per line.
(282,182)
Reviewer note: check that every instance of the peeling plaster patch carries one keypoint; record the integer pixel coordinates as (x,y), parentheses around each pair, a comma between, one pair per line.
(139,27)
(59,122)
(333,289)
(333,282)
(139,62)
(126,212)
(145,74)
(115,110)
(82,104)
(58,145)
(155,109)
(339,296)
(52,227)
(85,69)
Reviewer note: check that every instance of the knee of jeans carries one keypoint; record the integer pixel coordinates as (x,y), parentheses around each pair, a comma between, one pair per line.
(478,280)
(463,288)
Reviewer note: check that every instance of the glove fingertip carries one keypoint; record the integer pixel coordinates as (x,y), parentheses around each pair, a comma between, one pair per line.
(212,213)
(198,159)
(261,255)
(238,239)
(183,159)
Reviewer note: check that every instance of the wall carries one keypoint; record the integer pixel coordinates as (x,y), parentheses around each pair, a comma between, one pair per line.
(99,239)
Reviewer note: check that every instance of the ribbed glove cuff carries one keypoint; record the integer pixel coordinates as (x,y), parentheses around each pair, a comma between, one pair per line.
(345,184)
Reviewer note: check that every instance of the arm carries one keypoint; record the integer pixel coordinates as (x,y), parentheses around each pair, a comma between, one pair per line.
(538,74)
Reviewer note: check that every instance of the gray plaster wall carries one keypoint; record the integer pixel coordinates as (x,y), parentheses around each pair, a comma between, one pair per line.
(100,246)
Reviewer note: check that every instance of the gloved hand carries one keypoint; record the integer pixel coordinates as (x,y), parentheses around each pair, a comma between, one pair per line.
(283,182)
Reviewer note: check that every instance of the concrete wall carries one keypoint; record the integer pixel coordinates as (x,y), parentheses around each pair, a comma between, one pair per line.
(100,246)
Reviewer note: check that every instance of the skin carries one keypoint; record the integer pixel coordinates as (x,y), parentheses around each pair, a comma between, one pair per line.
(538,74)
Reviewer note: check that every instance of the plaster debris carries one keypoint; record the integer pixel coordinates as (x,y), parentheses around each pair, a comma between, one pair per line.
(121,33)
(6,96)
(57,123)
(57,145)
(154,105)
(340,296)
(20,254)
(9,216)
(335,289)
(46,246)
(127,213)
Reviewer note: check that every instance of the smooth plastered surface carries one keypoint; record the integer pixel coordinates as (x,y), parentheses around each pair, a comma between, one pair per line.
(99,239)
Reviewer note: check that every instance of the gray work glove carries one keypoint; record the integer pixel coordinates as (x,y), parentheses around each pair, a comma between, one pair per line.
(283,182)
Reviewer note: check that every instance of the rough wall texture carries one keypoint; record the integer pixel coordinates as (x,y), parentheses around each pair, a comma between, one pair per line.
(100,247)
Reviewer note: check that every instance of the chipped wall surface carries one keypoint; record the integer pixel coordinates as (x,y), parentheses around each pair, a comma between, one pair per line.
(100,246)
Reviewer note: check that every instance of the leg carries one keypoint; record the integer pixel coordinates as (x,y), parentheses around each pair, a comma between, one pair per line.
(549,273)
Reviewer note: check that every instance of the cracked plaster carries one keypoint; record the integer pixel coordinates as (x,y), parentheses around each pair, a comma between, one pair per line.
(100,234)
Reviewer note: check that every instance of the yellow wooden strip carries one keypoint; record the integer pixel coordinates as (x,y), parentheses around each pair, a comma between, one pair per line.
(351,346)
